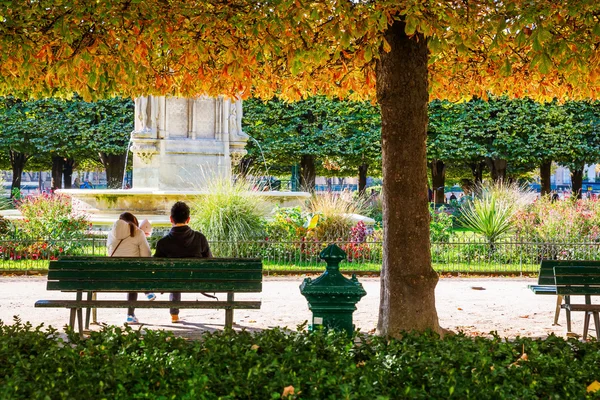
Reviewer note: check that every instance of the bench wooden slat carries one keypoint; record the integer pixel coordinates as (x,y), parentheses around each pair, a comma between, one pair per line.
(582,279)
(577,290)
(246,305)
(121,263)
(218,260)
(156,286)
(576,270)
(582,307)
(168,274)
(543,289)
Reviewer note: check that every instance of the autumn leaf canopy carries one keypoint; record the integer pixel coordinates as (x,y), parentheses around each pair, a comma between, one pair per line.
(294,48)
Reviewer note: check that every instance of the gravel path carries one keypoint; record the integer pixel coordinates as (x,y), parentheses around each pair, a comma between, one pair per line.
(473,305)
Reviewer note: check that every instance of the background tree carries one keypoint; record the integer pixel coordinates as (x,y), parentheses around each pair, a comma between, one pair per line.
(323,135)
(450,143)
(288,133)
(355,135)
(580,142)
(387,50)
(107,126)
(17,131)
(541,126)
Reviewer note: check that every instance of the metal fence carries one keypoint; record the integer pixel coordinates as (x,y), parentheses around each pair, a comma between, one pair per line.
(467,255)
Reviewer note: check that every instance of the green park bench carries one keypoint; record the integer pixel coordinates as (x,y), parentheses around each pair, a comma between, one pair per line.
(92,275)
(546,283)
(580,280)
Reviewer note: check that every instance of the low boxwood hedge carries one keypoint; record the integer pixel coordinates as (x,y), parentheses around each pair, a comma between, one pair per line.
(121,363)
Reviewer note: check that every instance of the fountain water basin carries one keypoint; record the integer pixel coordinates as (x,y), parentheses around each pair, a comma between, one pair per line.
(105,205)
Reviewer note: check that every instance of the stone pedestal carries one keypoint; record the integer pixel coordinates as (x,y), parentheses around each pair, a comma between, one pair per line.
(181,143)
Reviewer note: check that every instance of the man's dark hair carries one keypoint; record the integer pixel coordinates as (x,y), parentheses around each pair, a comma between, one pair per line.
(180,212)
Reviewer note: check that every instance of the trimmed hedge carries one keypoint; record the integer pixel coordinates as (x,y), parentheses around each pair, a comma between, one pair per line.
(35,363)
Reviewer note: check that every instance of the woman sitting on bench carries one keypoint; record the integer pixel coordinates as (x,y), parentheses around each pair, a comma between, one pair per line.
(126,239)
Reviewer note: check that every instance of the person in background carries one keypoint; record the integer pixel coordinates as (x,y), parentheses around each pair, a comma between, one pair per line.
(127,240)
(181,242)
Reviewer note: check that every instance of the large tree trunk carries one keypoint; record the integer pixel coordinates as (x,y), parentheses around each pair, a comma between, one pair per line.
(407,279)
(577,182)
(438,180)
(17,162)
(114,164)
(68,173)
(545,168)
(57,172)
(497,168)
(308,172)
(362,178)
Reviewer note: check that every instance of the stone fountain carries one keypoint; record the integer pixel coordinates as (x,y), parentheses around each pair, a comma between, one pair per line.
(179,145)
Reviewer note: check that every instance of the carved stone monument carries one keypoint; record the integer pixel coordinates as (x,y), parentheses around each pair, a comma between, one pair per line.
(180,143)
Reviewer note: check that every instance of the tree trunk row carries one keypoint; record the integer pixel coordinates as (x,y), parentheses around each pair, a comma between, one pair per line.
(438,180)
(114,164)
(545,169)
(577,182)
(308,172)
(17,162)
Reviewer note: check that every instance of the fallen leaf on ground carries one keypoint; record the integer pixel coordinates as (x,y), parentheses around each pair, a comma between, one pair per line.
(460,309)
(252,321)
(523,316)
(477,288)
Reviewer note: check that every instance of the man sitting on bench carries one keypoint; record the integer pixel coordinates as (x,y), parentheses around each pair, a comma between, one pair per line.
(181,242)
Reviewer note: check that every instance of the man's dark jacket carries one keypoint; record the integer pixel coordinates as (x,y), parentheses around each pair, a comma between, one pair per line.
(183,242)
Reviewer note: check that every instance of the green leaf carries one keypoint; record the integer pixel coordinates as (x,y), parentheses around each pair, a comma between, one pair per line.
(411,25)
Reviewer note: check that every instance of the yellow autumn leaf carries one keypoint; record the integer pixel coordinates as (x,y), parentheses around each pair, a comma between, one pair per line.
(254,347)
(593,387)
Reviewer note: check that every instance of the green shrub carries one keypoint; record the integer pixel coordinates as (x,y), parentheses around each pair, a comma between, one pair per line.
(560,221)
(286,224)
(50,216)
(5,227)
(440,226)
(49,228)
(123,363)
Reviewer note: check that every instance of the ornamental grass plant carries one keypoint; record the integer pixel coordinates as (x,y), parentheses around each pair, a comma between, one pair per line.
(493,210)
(5,201)
(229,212)
(334,213)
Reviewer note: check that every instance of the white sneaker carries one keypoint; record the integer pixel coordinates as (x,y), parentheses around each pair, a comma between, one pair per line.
(131,319)
(151,296)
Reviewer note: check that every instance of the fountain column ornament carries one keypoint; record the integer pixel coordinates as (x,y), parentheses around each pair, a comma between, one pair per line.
(182,143)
